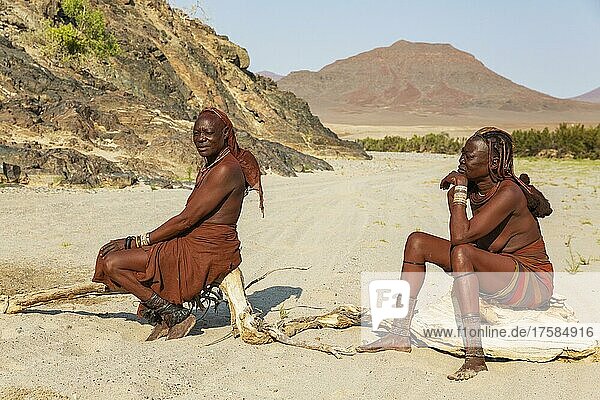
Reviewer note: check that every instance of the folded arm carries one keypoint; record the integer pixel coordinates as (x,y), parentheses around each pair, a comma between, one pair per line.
(487,218)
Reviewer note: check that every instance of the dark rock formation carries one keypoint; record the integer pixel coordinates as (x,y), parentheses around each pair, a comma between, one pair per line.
(137,109)
(65,165)
(12,174)
(286,161)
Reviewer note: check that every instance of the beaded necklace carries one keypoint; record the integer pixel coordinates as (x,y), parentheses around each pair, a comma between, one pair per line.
(221,156)
(477,199)
(204,170)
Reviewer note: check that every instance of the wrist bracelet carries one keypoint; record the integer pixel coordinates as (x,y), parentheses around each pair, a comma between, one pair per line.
(460,196)
(144,239)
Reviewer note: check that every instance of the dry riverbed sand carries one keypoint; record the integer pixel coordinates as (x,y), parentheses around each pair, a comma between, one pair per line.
(337,223)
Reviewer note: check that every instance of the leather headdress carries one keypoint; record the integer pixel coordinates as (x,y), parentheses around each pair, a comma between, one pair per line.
(245,158)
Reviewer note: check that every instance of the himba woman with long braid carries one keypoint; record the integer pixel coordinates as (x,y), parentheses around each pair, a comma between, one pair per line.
(502,237)
(179,260)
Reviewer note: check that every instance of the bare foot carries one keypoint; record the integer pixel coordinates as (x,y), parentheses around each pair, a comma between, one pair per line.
(160,330)
(469,369)
(182,329)
(388,342)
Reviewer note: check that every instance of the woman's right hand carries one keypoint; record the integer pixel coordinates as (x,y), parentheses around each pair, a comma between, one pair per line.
(113,245)
(454,178)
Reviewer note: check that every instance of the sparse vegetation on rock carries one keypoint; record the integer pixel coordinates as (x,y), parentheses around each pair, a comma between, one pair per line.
(79,30)
(136,110)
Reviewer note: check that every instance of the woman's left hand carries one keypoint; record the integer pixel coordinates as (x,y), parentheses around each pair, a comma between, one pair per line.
(454,178)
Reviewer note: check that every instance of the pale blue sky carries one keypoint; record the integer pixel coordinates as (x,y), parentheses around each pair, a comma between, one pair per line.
(548,45)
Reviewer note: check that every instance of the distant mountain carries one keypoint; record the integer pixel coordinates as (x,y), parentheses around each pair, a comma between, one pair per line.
(593,96)
(270,74)
(421,83)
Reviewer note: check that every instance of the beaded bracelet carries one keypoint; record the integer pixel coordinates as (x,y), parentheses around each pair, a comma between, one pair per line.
(460,198)
(144,239)
(460,195)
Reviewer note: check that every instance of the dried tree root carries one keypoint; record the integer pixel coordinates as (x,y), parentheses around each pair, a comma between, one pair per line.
(17,303)
(337,351)
(255,330)
(245,322)
(341,317)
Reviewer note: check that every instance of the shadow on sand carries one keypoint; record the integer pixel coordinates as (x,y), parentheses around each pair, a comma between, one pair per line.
(262,301)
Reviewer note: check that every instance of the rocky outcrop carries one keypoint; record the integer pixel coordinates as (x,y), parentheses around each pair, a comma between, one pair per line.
(285,162)
(136,110)
(62,166)
(11,173)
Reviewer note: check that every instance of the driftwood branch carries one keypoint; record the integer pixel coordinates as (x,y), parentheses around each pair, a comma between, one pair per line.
(244,321)
(254,330)
(340,318)
(337,351)
(17,303)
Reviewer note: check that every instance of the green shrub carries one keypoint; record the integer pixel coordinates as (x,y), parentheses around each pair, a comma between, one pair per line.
(430,143)
(81,32)
(575,141)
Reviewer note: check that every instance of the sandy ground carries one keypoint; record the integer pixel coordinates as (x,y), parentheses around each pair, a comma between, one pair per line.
(337,223)
(332,114)
(352,132)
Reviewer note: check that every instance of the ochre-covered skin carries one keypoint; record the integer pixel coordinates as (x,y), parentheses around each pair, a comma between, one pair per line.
(199,245)
(503,237)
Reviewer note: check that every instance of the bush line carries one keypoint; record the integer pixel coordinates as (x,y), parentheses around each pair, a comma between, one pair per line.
(566,141)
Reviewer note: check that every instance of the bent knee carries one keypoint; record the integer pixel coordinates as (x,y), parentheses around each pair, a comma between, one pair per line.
(111,264)
(460,255)
(416,241)
(462,251)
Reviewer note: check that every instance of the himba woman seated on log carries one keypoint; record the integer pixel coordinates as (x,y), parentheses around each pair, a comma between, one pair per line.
(503,237)
(178,261)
